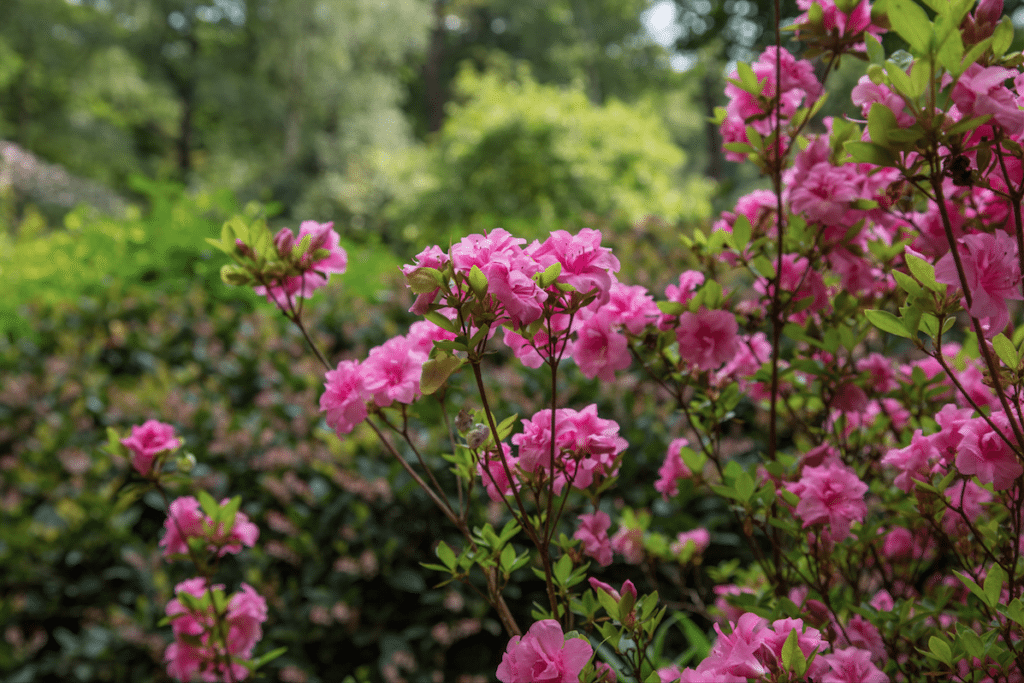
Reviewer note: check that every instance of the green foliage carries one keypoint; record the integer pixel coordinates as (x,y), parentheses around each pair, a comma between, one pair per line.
(533,158)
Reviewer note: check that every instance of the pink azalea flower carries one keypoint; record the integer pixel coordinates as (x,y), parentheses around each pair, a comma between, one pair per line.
(147,441)
(672,470)
(992,274)
(913,461)
(186,520)
(543,655)
(699,538)
(586,265)
(707,339)
(391,373)
(809,640)
(842,24)
(315,271)
(830,495)
(629,542)
(431,257)
(852,665)
(345,396)
(985,454)
(493,474)
(967,496)
(981,90)
(593,531)
(600,350)
(799,282)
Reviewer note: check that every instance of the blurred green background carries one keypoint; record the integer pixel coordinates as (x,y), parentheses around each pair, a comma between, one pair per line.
(131,129)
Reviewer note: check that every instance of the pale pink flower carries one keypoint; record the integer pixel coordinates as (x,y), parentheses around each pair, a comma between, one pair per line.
(632,307)
(185,520)
(831,496)
(147,441)
(345,396)
(867,92)
(707,339)
(673,470)
(629,542)
(852,665)
(543,655)
(992,274)
(985,454)
(913,461)
(494,475)
(863,634)
(593,531)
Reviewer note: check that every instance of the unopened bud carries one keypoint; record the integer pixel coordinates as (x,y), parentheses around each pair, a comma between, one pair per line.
(463,421)
(185,462)
(284,240)
(478,436)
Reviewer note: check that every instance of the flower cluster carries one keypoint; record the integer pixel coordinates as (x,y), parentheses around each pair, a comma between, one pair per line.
(213,634)
(304,270)
(187,520)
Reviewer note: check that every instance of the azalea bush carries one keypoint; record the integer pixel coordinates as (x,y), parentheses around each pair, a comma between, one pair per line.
(840,369)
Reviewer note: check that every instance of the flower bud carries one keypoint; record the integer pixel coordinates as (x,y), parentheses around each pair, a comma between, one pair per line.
(478,436)
(185,462)
(284,241)
(463,421)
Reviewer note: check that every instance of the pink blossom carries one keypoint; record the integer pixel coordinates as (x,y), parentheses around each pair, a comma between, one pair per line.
(629,542)
(627,587)
(842,24)
(196,649)
(431,257)
(521,298)
(600,350)
(700,539)
(802,285)
(982,90)
(992,274)
(881,370)
(593,531)
(586,265)
(186,520)
(832,496)
(391,373)
(345,396)
(852,665)
(809,640)
(707,339)
(632,307)
(543,655)
(316,272)
(494,475)
(147,441)
(867,93)
(672,470)
(985,454)
(534,351)
(913,461)
(965,496)
(863,634)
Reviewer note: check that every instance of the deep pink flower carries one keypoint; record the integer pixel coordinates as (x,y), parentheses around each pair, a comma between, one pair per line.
(600,350)
(832,496)
(186,520)
(803,285)
(707,339)
(985,454)
(493,474)
(913,461)
(992,274)
(586,265)
(700,538)
(809,640)
(431,257)
(982,90)
(147,441)
(842,24)
(967,496)
(345,396)
(543,655)
(593,531)
(391,373)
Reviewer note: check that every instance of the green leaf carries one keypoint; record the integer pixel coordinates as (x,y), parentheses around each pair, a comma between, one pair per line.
(744,487)
(550,274)
(906,283)
(505,426)
(898,78)
(994,581)
(881,121)
(887,322)
(923,271)
(441,321)
(268,657)
(209,505)
(911,23)
(424,280)
(876,53)
(869,153)
(562,570)
(973,587)
(741,230)
(478,282)
(436,372)
(445,554)
(1006,351)
(970,641)
(940,650)
(227,513)
(793,658)
(670,307)
(1002,37)
(508,558)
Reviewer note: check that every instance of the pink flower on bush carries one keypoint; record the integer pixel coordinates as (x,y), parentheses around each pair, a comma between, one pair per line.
(593,531)
(185,520)
(494,475)
(391,373)
(586,265)
(831,496)
(316,271)
(197,649)
(852,665)
(693,542)
(600,350)
(543,655)
(707,339)
(981,90)
(345,396)
(629,542)
(147,441)
(673,470)
(986,455)
(992,274)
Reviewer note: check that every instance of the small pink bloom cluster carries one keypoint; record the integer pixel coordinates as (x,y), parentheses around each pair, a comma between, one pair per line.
(185,520)
(593,531)
(390,374)
(196,647)
(314,269)
(992,272)
(837,24)
(585,446)
(673,470)
(753,650)
(800,88)
(544,655)
(148,441)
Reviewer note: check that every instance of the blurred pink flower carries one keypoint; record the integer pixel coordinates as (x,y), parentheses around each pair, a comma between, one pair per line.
(593,531)
(707,339)
(992,274)
(316,272)
(186,520)
(832,496)
(345,396)
(147,441)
